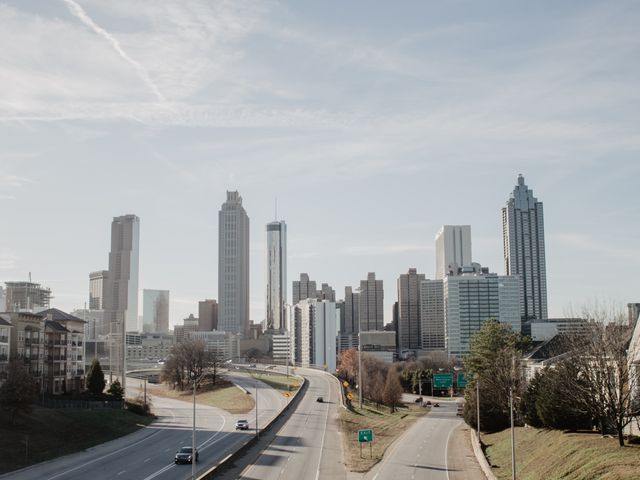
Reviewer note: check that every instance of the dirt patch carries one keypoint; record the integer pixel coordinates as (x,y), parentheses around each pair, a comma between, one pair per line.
(224,395)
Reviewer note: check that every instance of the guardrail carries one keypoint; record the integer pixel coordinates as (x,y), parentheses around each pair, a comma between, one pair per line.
(482,460)
(229,459)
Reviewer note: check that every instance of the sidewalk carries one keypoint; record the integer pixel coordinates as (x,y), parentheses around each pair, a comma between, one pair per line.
(461,459)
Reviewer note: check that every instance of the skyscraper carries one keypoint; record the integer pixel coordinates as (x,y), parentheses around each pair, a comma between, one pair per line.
(276,275)
(121,300)
(233,266)
(371,307)
(453,248)
(351,311)
(303,289)
(524,252)
(155,311)
(471,299)
(432,314)
(207,315)
(122,289)
(98,289)
(409,310)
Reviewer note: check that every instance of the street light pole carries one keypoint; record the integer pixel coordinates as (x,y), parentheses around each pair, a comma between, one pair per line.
(193,434)
(359,372)
(478,407)
(513,444)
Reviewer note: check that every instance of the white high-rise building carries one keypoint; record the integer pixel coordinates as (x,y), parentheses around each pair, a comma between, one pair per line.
(318,331)
(276,275)
(471,299)
(432,314)
(155,311)
(371,307)
(453,248)
(524,251)
(233,266)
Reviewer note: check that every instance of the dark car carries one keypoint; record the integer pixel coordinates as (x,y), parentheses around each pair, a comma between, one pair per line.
(436,404)
(319,399)
(184,455)
(242,425)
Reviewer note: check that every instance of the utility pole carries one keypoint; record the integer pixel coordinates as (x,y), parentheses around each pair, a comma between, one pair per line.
(256,409)
(193,433)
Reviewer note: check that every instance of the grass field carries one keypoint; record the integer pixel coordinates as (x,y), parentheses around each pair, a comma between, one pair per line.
(386,428)
(50,433)
(551,454)
(279,381)
(225,396)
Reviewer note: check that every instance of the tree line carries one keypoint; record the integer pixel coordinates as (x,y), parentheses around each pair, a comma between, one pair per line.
(592,383)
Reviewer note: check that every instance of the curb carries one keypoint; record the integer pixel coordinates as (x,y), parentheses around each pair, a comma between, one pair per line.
(482,460)
(240,449)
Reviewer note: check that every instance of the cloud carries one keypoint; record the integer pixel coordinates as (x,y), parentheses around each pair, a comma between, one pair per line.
(15,181)
(389,249)
(79,12)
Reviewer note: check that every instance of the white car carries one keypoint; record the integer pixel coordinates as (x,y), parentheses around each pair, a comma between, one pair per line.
(242,425)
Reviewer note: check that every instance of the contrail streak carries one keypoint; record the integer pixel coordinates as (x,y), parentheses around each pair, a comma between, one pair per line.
(79,12)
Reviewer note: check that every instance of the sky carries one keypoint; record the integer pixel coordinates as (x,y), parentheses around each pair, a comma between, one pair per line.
(372,123)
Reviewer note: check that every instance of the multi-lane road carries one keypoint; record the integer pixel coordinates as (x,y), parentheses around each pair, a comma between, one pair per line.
(309,445)
(148,453)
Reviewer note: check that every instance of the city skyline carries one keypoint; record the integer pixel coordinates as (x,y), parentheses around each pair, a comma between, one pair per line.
(373,133)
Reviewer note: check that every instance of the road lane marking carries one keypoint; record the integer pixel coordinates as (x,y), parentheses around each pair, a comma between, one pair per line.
(324,432)
(123,471)
(149,459)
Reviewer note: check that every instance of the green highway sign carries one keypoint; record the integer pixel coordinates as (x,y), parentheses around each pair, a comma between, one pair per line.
(442,380)
(365,436)
(462,380)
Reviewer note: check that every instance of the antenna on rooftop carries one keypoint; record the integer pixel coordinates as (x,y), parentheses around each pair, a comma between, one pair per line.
(276,209)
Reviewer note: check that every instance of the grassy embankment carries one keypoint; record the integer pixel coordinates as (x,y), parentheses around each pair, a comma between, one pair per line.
(50,433)
(278,381)
(224,395)
(552,454)
(386,426)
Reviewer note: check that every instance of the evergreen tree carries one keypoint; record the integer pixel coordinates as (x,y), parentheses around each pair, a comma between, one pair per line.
(95,378)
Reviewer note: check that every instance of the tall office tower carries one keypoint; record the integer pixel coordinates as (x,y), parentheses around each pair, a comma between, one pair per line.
(276,275)
(524,253)
(318,333)
(351,311)
(470,299)
(155,311)
(326,293)
(453,248)
(409,310)
(303,289)
(98,289)
(207,315)
(371,305)
(26,297)
(432,314)
(634,313)
(121,301)
(233,266)
(3,307)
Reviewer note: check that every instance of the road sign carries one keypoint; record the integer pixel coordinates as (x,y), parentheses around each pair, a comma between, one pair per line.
(462,380)
(365,436)
(442,380)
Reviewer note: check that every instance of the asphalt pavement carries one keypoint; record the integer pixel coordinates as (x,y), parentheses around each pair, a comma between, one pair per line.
(148,453)
(309,444)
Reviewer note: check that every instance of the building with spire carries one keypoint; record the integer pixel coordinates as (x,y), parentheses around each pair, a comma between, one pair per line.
(233,266)
(524,249)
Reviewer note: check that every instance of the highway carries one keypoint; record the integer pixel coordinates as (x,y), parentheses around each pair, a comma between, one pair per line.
(309,445)
(422,451)
(148,453)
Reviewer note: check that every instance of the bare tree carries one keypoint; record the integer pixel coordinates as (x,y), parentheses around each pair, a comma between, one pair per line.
(190,360)
(392,393)
(601,358)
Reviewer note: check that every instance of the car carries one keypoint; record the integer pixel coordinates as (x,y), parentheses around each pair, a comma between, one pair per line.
(428,402)
(242,425)
(319,399)
(184,455)
(436,404)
